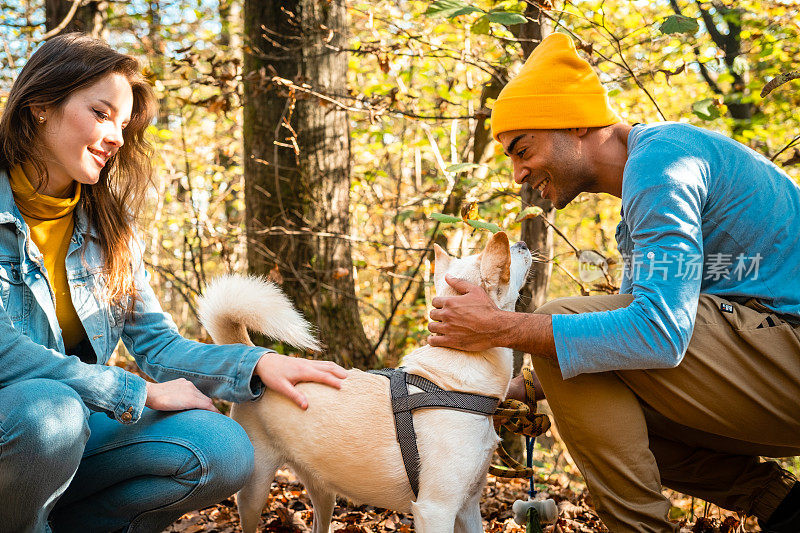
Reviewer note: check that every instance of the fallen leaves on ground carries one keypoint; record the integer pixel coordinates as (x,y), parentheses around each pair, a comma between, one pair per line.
(289,510)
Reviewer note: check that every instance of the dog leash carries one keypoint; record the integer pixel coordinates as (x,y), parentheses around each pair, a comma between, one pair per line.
(404,404)
(517,417)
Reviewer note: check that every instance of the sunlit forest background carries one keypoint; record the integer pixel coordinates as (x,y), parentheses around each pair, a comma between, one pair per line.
(329,144)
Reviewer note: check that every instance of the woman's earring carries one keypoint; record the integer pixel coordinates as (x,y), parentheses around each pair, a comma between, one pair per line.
(42,119)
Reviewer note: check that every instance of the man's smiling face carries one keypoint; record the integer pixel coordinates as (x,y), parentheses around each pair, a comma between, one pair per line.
(550,161)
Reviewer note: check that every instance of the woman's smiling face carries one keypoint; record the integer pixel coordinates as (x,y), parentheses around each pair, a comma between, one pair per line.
(81,136)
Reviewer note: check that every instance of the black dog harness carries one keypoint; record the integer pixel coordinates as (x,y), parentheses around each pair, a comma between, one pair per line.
(403,404)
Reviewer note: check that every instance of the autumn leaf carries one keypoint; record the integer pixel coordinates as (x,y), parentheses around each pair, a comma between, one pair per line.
(217,105)
(340,273)
(480,26)
(275,275)
(532,211)
(383,63)
(469,211)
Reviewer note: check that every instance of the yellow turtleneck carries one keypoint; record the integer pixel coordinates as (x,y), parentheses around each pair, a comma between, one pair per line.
(51,224)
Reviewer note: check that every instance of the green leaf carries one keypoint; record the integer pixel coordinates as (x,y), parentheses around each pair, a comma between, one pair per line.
(678,24)
(461,167)
(478,224)
(450,8)
(706,109)
(506,18)
(447,219)
(480,26)
(466,11)
(529,212)
(404,215)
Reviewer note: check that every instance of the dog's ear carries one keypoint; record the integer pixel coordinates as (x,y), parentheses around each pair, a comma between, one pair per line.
(442,259)
(496,261)
(440,268)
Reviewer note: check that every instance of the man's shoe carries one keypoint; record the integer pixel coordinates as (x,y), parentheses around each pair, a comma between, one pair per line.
(786,518)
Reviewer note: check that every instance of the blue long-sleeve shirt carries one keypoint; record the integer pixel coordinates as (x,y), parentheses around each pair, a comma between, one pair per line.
(700,213)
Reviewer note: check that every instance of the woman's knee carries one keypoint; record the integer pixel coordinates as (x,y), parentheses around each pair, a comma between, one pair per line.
(233,457)
(223,449)
(43,423)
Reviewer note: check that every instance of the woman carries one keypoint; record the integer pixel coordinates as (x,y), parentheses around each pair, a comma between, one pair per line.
(85,446)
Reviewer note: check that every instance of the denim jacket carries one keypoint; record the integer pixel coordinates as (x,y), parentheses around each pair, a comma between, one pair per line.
(31,345)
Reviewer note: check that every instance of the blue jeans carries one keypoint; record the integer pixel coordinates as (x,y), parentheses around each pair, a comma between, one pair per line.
(85,472)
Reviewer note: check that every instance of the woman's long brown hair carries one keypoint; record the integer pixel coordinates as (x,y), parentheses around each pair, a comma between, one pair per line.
(61,66)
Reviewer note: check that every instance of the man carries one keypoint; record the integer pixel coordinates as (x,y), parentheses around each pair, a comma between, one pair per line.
(692,372)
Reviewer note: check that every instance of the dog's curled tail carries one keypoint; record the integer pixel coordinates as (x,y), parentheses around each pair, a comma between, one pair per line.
(232,305)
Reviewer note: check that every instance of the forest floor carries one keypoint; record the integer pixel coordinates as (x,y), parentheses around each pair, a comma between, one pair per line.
(289,511)
(289,508)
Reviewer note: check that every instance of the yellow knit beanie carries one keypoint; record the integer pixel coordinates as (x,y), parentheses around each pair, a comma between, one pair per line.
(556,89)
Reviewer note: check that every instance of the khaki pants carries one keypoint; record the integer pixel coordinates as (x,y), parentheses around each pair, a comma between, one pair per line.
(698,428)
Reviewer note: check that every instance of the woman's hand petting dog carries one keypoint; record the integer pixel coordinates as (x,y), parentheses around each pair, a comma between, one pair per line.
(281,373)
(278,372)
(177,395)
(466,322)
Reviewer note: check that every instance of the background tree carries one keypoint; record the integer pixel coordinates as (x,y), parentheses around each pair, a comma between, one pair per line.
(724,27)
(86,16)
(536,230)
(297,165)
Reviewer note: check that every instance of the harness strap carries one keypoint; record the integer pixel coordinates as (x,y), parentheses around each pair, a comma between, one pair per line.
(403,405)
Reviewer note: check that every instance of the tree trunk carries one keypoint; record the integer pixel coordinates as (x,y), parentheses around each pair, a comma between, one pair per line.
(297,165)
(230,44)
(535,232)
(154,47)
(228,13)
(730,42)
(90,17)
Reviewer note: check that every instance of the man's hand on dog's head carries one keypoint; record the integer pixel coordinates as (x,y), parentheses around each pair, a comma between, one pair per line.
(281,373)
(472,322)
(465,322)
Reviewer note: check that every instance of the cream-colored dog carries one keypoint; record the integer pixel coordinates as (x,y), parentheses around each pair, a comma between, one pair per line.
(345,442)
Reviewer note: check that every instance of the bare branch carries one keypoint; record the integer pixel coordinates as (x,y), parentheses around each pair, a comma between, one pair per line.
(63,24)
(788,145)
(280,229)
(779,80)
(397,303)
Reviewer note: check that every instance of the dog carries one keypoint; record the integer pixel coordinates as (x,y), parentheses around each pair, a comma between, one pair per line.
(345,442)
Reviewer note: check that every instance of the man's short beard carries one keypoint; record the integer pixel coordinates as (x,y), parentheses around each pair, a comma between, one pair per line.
(574,178)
